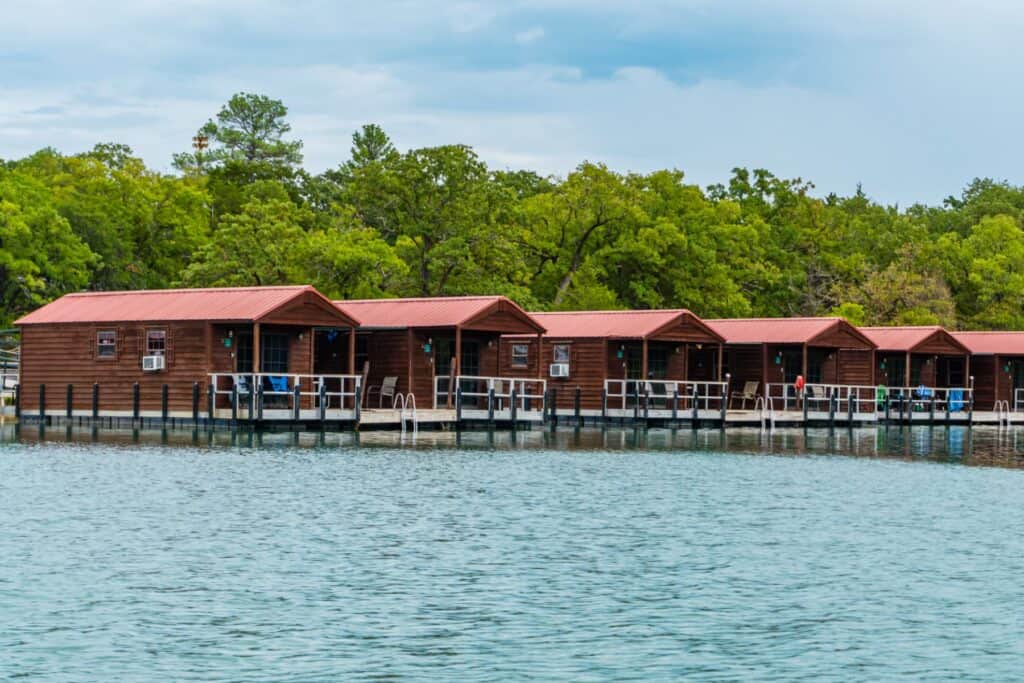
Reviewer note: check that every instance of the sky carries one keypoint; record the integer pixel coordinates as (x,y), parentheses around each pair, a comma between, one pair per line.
(910,98)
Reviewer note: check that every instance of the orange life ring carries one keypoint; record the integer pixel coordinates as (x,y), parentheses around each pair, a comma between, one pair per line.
(799,383)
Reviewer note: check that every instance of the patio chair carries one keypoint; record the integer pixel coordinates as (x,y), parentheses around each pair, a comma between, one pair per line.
(499,389)
(242,385)
(749,393)
(385,389)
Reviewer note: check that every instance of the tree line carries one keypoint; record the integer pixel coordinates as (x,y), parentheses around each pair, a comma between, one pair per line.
(241,210)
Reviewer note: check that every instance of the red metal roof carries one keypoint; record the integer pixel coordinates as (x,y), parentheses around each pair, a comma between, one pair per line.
(615,324)
(985,343)
(247,304)
(775,330)
(444,311)
(908,338)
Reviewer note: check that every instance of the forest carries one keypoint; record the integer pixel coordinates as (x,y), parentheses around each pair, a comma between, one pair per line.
(241,210)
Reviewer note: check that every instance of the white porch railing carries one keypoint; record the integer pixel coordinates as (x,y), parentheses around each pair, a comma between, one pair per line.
(924,399)
(1018,399)
(280,391)
(623,394)
(867,399)
(476,391)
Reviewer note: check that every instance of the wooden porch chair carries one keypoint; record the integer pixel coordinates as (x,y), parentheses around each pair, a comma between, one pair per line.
(384,389)
(242,383)
(499,389)
(749,393)
(654,395)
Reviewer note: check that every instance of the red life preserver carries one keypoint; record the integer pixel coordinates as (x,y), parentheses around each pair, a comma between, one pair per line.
(799,383)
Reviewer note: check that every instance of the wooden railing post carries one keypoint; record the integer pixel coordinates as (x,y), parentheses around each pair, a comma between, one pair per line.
(832,404)
(163,403)
(696,406)
(234,402)
(931,408)
(296,402)
(490,404)
(514,408)
(17,401)
(604,404)
(195,403)
(136,411)
(458,403)
(575,406)
(96,400)
(725,396)
(849,408)
(323,402)
(211,405)
(358,398)
(69,400)
(42,402)
(553,409)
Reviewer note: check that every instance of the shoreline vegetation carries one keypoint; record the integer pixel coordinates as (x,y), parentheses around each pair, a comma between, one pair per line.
(241,210)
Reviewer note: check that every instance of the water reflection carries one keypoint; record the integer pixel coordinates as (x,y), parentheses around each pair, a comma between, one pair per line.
(988,446)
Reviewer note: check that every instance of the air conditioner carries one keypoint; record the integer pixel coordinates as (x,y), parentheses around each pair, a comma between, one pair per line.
(152,363)
(559,370)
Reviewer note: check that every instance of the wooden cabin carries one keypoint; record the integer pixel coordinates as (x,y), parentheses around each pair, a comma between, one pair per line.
(416,341)
(181,336)
(670,345)
(773,352)
(997,363)
(919,356)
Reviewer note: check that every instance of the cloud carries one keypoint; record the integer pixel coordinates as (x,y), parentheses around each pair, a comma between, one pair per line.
(912,98)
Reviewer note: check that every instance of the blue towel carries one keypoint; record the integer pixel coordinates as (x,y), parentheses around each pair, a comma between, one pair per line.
(278,383)
(956,400)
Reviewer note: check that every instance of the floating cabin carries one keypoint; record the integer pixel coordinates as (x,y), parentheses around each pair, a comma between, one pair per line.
(423,343)
(997,363)
(170,337)
(609,348)
(773,352)
(919,356)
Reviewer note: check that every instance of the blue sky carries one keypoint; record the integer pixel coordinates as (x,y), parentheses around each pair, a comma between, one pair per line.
(912,98)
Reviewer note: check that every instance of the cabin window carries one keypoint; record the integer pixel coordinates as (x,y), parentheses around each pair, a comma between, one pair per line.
(657,363)
(274,352)
(520,355)
(106,344)
(156,342)
(561,353)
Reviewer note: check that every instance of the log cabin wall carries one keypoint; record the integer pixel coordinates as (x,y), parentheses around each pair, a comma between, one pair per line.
(984,369)
(703,364)
(586,368)
(854,368)
(743,363)
(387,352)
(60,354)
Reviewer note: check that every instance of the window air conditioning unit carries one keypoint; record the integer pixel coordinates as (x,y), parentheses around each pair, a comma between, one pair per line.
(152,363)
(559,369)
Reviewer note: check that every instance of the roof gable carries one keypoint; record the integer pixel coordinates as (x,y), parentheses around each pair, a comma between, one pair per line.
(990,343)
(663,324)
(931,339)
(828,332)
(485,313)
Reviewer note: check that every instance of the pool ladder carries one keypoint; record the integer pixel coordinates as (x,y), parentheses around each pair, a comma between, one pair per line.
(406,404)
(765,405)
(1004,417)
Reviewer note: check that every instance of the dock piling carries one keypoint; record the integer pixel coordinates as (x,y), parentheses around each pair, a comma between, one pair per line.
(296,401)
(514,407)
(490,405)
(135,401)
(604,405)
(458,403)
(695,407)
(95,401)
(576,407)
(42,403)
(17,401)
(323,403)
(69,400)
(195,403)
(163,403)
(210,407)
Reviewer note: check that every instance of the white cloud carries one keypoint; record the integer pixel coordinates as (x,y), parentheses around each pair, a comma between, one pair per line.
(531,35)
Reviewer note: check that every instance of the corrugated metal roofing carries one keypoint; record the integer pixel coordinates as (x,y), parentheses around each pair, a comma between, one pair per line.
(903,338)
(443,311)
(220,304)
(1003,343)
(772,330)
(611,324)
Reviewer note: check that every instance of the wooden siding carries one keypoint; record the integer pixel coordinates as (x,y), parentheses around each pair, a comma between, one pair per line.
(854,368)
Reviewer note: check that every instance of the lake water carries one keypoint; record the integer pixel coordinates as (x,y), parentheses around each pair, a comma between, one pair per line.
(594,555)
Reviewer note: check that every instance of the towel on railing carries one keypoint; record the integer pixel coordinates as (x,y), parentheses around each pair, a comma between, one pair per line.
(956,400)
(278,383)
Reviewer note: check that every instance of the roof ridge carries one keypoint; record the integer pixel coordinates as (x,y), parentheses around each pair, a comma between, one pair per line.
(467,297)
(777,319)
(614,312)
(186,290)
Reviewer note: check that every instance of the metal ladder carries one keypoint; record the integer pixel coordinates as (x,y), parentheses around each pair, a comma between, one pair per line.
(406,403)
(762,405)
(1003,414)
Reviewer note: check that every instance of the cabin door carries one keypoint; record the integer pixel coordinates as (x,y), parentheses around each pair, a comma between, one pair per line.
(1017,372)
(446,351)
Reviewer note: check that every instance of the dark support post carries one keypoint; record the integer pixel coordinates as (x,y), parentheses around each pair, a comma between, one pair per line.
(675,403)
(931,408)
(195,403)
(359,399)
(696,405)
(210,403)
(42,402)
(576,405)
(604,404)
(234,403)
(888,406)
(806,408)
(970,404)
(490,405)
(323,402)
(96,400)
(647,402)
(832,400)
(296,402)
(163,403)
(17,401)
(458,403)
(554,405)
(849,408)
(636,400)
(69,399)
(902,399)
(135,401)
(514,408)
(725,395)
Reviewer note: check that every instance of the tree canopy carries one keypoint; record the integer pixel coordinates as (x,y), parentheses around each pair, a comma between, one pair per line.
(241,210)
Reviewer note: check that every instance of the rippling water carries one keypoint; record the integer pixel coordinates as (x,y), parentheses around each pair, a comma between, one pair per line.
(598,555)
